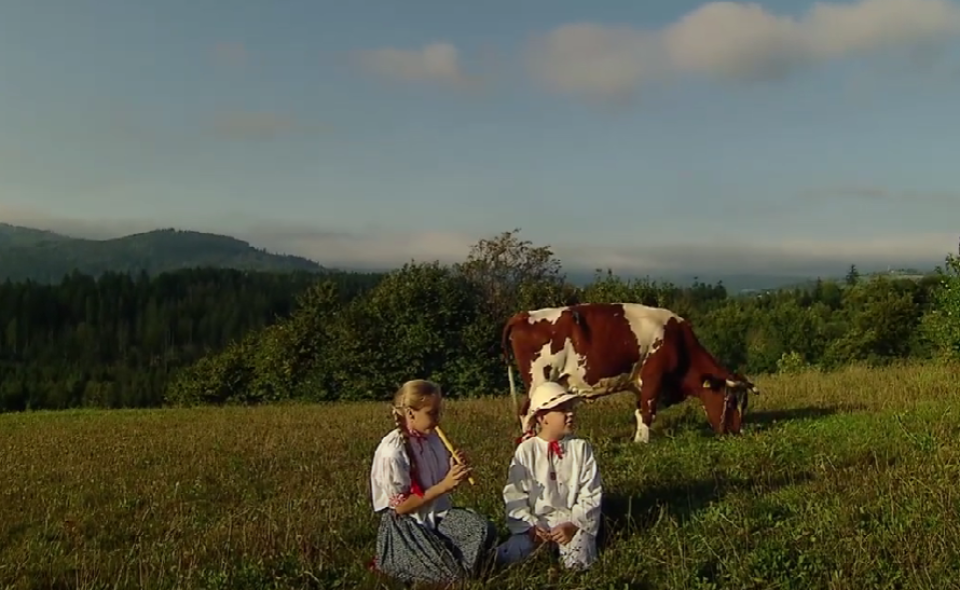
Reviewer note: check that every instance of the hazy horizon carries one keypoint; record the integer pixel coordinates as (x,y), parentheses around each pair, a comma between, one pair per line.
(795,138)
(577,267)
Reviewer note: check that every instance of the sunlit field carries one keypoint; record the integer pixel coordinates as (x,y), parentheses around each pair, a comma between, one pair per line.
(848,480)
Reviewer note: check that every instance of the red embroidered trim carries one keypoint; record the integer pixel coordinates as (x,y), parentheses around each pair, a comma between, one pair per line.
(398,499)
(415,488)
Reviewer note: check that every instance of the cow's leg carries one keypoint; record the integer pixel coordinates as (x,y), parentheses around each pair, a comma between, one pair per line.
(647,390)
(644,420)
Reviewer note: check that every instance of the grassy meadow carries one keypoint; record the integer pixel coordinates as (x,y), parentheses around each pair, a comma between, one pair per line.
(847,480)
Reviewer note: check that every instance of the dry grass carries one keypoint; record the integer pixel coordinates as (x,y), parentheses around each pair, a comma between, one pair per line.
(845,481)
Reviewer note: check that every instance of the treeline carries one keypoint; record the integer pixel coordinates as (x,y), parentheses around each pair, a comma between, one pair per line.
(116,340)
(225,336)
(444,323)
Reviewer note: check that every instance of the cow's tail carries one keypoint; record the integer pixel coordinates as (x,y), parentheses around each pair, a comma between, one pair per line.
(505,346)
(513,390)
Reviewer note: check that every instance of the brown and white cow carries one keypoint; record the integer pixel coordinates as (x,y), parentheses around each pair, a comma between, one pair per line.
(597,349)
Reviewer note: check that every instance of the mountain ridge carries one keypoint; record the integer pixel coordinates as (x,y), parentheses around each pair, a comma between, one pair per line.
(46,256)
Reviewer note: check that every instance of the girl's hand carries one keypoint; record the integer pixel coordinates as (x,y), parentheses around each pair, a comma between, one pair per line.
(462,458)
(455,476)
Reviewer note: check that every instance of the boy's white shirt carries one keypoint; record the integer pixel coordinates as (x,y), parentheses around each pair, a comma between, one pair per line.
(533,498)
(390,474)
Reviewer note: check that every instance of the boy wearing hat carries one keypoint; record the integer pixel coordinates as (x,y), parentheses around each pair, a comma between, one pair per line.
(553,490)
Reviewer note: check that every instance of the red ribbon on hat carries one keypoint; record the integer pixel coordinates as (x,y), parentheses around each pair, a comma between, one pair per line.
(525,436)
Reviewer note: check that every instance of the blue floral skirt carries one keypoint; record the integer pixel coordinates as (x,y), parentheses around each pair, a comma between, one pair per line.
(409,551)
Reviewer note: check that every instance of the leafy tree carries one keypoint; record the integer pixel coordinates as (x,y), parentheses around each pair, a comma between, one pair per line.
(853,276)
(941,324)
(511,272)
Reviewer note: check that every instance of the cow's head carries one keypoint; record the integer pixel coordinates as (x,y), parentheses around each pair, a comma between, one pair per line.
(725,401)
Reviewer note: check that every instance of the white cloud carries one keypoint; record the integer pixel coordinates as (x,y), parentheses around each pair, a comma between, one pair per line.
(435,62)
(732,41)
(594,59)
(377,248)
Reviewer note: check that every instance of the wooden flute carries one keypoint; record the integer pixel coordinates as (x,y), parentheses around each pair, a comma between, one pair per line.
(453,453)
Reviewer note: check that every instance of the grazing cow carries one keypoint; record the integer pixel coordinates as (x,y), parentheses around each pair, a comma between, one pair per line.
(597,349)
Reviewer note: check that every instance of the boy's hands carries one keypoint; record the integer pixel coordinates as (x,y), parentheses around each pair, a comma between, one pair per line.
(539,535)
(563,533)
(560,534)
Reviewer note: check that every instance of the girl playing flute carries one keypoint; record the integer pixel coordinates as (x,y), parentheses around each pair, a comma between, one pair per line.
(422,537)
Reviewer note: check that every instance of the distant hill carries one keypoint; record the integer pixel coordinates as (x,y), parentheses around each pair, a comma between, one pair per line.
(734,283)
(44,256)
(14,235)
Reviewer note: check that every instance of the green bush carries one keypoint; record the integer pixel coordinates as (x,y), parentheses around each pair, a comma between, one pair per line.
(444,323)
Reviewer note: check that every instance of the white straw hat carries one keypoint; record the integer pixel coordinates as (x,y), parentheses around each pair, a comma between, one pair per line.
(545,396)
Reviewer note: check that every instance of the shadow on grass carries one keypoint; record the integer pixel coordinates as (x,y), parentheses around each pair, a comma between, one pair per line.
(756,420)
(629,512)
(763,419)
(760,420)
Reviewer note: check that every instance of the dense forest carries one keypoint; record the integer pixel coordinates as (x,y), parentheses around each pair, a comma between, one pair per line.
(115,341)
(44,256)
(216,336)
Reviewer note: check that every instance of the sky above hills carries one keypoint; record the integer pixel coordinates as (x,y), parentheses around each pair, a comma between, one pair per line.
(644,136)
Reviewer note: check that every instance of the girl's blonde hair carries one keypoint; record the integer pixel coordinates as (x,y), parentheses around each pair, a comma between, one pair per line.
(412,395)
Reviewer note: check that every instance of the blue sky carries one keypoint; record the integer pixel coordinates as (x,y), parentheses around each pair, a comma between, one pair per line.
(639,135)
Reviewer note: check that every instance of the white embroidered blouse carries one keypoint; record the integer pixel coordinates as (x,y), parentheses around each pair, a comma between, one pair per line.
(548,488)
(390,482)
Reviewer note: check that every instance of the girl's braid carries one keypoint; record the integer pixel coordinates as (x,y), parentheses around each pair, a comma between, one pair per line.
(411,395)
(401,423)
